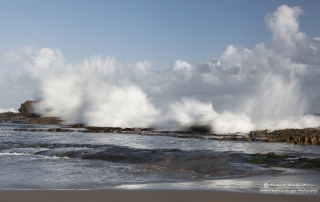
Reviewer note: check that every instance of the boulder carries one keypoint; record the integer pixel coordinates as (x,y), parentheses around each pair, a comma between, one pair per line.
(27,109)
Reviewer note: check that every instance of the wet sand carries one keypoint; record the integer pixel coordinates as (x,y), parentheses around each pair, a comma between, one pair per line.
(119,195)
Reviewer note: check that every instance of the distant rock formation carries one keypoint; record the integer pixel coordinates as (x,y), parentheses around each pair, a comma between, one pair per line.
(27,109)
(297,136)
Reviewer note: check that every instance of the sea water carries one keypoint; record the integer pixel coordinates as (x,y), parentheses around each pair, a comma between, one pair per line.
(77,160)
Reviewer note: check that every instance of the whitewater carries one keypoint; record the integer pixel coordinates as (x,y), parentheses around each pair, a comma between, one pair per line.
(97,94)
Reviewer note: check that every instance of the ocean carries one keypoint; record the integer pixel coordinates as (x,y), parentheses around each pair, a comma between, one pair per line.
(77,160)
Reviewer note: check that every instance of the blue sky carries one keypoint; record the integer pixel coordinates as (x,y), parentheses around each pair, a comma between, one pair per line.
(158,31)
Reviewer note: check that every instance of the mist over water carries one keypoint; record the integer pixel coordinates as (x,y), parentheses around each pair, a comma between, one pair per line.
(263,86)
(278,104)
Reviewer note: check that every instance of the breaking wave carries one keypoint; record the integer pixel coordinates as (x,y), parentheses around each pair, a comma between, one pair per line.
(95,94)
(87,95)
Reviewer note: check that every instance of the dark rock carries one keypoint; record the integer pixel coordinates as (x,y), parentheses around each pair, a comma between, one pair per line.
(146,129)
(96,129)
(297,136)
(128,129)
(27,109)
(200,128)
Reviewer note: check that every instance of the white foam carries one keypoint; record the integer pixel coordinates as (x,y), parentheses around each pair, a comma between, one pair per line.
(190,112)
(2,110)
(14,154)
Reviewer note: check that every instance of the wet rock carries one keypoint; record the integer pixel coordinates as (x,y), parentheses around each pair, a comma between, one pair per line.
(96,129)
(128,129)
(272,154)
(73,125)
(137,130)
(27,109)
(250,137)
(20,129)
(297,136)
(272,159)
(146,129)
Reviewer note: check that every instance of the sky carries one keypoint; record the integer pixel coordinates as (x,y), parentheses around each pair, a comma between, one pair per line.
(158,31)
(215,51)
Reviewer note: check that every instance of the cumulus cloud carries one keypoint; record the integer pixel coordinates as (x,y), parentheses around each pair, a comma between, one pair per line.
(16,57)
(284,26)
(181,65)
(143,66)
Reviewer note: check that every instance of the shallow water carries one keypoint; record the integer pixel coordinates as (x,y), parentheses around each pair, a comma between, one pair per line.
(48,160)
(275,184)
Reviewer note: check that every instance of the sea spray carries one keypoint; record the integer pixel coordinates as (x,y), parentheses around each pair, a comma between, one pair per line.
(276,98)
(126,106)
(90,94)
(2,110)
(97,93)
(189,113)
(278,103)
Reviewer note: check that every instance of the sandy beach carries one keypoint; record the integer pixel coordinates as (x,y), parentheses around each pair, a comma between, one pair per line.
(143,196)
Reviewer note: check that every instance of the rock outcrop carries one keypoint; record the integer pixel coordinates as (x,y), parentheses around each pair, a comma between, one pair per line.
(297,136)
(27,109)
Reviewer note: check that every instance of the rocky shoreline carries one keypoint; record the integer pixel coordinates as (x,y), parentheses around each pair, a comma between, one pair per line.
(296,136)
(27,118)
(271,159)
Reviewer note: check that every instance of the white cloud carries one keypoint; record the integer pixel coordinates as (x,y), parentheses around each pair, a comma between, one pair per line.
(143,66)
(181,65)
(287,38)
(284,26)
(16,57)
(208,78)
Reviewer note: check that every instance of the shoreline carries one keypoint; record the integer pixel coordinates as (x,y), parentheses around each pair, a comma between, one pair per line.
(301,136)
(145,196)
(304,136)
